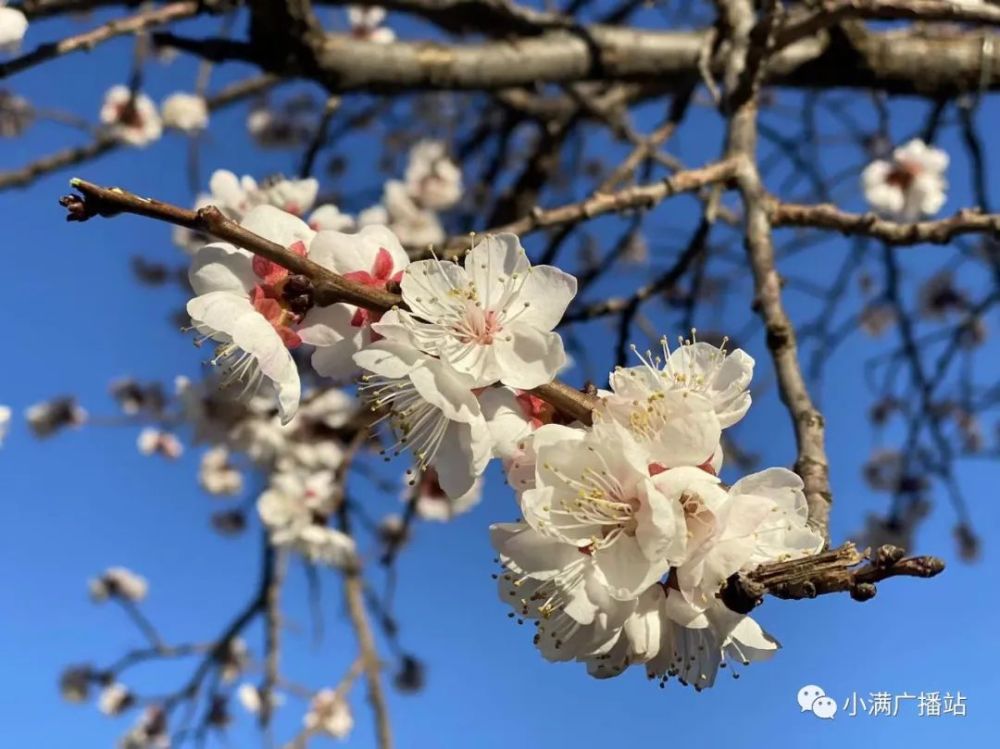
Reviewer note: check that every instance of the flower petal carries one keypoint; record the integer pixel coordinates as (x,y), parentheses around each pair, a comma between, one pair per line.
(277,225)
(548,292)
(222,267)
(528,357)
(491,264)
(429,285)
(257,337)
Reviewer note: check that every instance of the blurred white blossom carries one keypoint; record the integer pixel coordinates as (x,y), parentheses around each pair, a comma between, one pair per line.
(131,117)
(185,112)
(910,185)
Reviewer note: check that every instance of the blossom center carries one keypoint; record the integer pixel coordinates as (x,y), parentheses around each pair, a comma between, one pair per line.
(127,113)
(903,174)
(477,325)
(382,273)
(599,503)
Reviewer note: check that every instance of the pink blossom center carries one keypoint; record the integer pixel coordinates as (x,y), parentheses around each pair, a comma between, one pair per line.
(536,410)
(267,297)
(478,326)
(903,174)
(281,318)
(127,113)
(379,277)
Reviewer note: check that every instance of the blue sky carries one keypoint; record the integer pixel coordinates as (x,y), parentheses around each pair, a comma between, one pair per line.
(76,504)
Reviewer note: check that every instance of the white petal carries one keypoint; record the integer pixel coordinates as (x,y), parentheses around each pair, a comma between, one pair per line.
(548,292)
(325,326)
(447,389)
(219,311)
(222,267)
(491,263)
(336,360)
(429,284)
(257,337)
(277,225)
(455,460)
(388,358)
(528,357)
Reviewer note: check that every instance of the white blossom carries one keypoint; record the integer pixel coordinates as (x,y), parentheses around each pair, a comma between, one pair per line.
(414,225)
(159,442)
(149,731)
(251,699)
(13,25)
(372,257)
(432,179)
(293,509)
(564,590)
(332,408)
(217,475)
(114,699)
(695,367)
(909,186)
(329,714)
(253,310)
(234,659)
(593,490)
(131,117)
(185,112)
(366,23)
(429,404)
(676,427)
(236,196)
(329,217)
(118,582)
(493,320)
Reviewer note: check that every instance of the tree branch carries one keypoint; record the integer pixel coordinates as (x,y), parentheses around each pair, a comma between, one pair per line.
(354,590)
(835,571)
(329,287)
(88,40)
(938,63)
(941,231)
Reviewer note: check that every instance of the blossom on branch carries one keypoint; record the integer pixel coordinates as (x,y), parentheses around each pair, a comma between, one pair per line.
(366,23)
(236,196)
(430,405)
(628,534)
(130,116)
(185,112)
(493,320)
(909,186)
(256,311)
(432,179)
(118,582)
(329,714)
(217,475)
(154,441)
(372,257)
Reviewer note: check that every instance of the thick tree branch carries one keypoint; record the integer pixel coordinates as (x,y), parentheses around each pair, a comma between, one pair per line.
(937,63)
